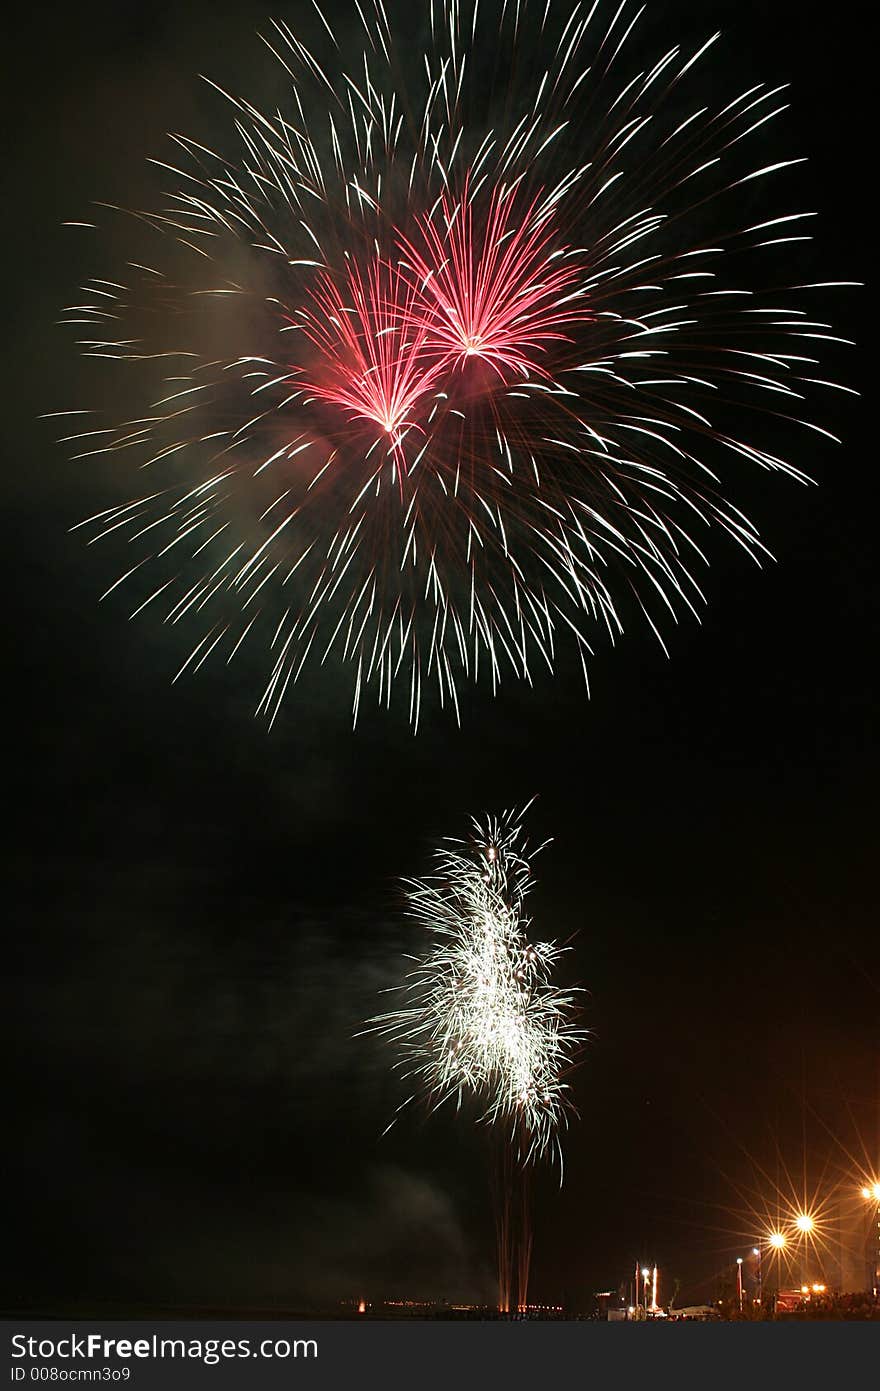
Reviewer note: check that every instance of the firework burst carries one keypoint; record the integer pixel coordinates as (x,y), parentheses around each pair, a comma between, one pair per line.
(481,1020)
(428,375)
(373,349)
(493,288)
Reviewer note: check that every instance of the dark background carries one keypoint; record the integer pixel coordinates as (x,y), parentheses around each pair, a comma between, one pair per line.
(200,914)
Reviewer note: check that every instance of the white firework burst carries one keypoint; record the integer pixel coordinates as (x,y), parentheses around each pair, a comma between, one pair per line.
(481,1019)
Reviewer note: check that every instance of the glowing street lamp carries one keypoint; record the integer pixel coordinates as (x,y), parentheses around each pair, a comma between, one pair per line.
(776,1243)
(805,1224)
(871,1194)
(759,1272)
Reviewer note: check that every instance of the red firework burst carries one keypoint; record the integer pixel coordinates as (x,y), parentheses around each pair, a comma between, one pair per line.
(374,359)
(498,287)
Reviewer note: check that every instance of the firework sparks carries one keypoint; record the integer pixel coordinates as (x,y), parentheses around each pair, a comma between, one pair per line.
(493,287)
(431,375)
(373,349)
(481,1019)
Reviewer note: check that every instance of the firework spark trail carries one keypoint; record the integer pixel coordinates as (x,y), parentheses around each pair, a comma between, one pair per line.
(481,1019)
(431,375)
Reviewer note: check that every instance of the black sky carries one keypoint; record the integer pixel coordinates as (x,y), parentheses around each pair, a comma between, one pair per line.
(200,913)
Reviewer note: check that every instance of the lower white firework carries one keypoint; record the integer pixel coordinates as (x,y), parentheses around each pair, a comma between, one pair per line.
(481,1018)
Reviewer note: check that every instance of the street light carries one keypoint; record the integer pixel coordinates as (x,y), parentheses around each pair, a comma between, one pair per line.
(871,1194)
(777,1243)
(739,1281)
(805,1224)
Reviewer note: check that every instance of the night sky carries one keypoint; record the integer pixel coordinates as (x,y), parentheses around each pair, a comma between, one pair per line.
(201,913)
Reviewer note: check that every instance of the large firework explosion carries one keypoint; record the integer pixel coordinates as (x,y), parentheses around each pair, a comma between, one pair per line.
(449,359)
(480,1019)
